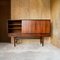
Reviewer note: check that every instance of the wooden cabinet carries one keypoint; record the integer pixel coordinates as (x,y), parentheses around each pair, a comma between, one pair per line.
(29,26)
(30,29)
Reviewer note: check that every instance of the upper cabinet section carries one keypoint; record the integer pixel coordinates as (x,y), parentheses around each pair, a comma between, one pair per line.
(30,9)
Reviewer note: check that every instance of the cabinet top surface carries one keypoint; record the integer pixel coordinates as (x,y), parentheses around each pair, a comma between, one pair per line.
(32,19)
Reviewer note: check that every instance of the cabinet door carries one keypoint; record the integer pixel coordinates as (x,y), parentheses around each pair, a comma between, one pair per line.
(33,26)
(40,26)
(43,26)
(26,26)
(48,27)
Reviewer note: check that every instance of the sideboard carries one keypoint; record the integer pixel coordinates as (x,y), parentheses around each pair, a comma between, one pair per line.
(29,28)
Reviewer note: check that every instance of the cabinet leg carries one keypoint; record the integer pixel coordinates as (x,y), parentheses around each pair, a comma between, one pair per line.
(42,41)
(14,42)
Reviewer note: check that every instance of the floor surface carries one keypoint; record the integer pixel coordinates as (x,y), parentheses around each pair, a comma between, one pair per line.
(29,52)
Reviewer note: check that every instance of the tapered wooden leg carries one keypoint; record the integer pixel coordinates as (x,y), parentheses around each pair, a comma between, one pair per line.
(14,42)
(42,41)
(20,41)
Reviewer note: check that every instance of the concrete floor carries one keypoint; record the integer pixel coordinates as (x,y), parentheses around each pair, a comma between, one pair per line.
(29,52)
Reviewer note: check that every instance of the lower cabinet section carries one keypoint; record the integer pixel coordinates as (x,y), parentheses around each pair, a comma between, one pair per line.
(14,39)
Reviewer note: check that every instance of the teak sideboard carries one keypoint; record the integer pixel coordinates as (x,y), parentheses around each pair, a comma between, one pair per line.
(37,29)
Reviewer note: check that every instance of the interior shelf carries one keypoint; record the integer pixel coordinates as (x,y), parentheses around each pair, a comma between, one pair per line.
(14,26)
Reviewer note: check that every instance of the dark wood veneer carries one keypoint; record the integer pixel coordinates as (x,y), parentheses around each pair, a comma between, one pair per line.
(37,29)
